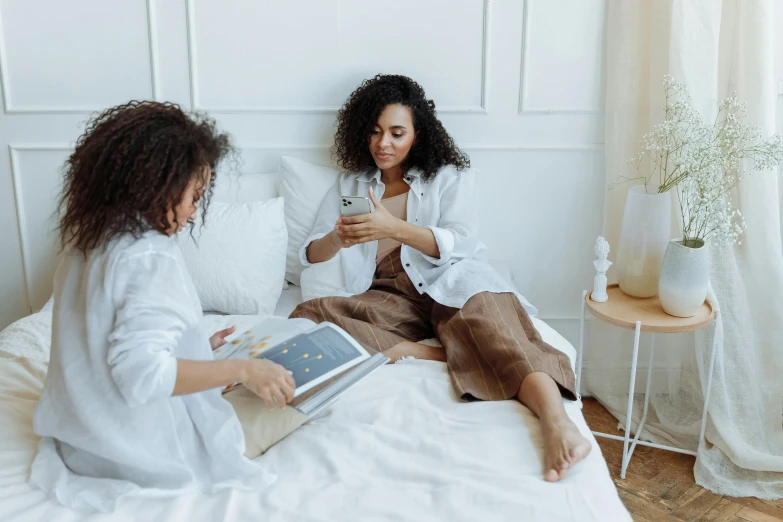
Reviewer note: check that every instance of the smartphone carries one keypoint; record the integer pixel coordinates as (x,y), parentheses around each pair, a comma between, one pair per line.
(355,205)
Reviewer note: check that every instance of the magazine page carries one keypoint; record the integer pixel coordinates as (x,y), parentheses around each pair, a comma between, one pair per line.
(251,342)
(316,356)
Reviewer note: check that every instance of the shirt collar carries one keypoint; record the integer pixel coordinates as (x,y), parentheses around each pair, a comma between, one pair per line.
(370,175)
(375,175)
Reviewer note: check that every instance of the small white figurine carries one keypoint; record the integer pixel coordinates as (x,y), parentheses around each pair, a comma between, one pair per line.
(601,264)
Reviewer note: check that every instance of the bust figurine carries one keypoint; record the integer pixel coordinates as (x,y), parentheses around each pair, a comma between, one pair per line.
(601,264)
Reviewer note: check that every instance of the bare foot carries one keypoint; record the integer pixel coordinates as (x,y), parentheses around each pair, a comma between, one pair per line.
(419,351)
(564,446)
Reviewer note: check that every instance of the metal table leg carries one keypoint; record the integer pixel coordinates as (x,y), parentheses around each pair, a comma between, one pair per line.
(640,427)
(579,353)
(709,378)
(629,411)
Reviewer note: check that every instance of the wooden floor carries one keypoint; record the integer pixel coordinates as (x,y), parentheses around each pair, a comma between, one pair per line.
(659,484)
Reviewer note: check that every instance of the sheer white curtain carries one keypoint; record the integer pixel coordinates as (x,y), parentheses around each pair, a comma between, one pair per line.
(715,47)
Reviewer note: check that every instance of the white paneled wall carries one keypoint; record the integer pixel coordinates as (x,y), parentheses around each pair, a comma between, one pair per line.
(519,84)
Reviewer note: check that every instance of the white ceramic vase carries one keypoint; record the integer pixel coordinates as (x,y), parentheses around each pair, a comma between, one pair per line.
(644,236)
(682,287)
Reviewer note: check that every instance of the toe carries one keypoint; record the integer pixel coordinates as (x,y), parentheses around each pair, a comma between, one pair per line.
(552,476)
(573,455)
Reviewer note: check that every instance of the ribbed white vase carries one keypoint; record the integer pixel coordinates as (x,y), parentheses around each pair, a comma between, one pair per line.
(682,287)
(645,234)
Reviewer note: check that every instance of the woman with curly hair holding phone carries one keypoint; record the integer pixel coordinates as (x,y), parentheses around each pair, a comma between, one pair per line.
(419,271)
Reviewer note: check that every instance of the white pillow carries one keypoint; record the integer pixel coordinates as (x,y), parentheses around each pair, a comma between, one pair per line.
(324,279)
(303,186)
(238,260)
(246,187)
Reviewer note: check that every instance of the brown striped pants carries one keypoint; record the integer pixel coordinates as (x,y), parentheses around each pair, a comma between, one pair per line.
(491,344)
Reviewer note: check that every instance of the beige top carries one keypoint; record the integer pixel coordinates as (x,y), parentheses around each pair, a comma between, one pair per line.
(397,207)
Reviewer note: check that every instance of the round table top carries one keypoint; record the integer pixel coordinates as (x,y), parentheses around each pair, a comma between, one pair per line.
(623,310)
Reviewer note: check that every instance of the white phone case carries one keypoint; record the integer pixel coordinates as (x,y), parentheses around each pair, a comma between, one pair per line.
(355,205)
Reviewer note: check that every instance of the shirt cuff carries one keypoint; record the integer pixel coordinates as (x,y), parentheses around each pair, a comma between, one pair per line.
(445,240)
(169,379)
(303,250)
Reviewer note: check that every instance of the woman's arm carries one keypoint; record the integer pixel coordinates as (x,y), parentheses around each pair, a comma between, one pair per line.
(268,380)
(197,376)
(420,238)
(325,248)
(152,314)
(323,243)
(381,225)
(456,232)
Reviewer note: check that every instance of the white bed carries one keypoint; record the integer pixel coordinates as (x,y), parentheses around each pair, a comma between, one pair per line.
(399,446)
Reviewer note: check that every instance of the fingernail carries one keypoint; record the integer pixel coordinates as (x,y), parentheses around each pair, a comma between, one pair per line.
(290,372)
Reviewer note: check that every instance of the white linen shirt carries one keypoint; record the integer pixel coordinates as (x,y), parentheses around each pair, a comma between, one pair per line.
(107,420)
(444,204)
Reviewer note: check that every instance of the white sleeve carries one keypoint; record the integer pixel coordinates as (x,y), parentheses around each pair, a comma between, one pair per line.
(152,310)
(457,230)
(328,214)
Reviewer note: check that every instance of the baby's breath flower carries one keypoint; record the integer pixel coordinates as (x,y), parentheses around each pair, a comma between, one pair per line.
(703,162)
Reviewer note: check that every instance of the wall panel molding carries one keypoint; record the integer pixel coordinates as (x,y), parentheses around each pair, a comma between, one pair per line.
(21,216)
(196,104)
(523,77)
(5,83)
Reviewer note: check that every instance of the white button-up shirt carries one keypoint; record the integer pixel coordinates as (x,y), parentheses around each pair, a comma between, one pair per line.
(107,420)
(444,204)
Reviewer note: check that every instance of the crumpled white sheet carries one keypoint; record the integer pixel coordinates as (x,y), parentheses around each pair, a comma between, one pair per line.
(398,446)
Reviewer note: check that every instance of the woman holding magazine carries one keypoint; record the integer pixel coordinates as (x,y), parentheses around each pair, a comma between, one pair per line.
(132,396)
(419,271)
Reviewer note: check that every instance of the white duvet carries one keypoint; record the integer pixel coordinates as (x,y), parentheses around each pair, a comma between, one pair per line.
(398,446)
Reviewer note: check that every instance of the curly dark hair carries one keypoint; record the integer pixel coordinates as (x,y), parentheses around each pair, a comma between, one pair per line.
(433,147)
(130,167)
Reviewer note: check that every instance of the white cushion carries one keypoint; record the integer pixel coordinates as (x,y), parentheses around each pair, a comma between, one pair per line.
(324,279)
(245,187)
(238,259)
(303,185)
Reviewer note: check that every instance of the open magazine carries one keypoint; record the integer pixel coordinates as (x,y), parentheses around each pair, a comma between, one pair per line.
(324,359)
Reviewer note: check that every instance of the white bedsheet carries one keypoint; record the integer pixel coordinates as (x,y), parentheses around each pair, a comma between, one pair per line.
(398,446)
(290,297)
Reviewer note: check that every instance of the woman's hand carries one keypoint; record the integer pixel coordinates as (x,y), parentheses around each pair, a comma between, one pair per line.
(218,339)
(270,381)
(368,227)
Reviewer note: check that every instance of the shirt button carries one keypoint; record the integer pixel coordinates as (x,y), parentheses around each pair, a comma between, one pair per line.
(422,193)
(421,284)
(407,264)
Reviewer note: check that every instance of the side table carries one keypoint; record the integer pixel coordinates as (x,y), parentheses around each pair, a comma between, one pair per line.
(644,315)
